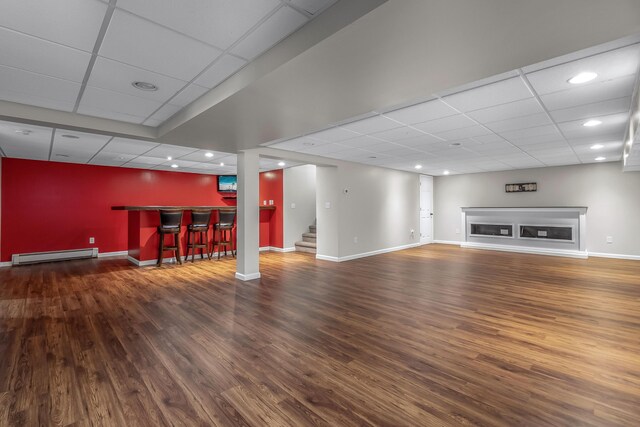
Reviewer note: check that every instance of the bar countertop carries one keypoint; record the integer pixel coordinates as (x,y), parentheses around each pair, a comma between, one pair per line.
(184,208)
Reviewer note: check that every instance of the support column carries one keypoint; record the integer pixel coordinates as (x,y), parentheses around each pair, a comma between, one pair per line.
(248,217)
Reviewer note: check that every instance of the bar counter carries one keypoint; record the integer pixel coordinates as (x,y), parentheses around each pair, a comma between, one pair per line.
(143,221)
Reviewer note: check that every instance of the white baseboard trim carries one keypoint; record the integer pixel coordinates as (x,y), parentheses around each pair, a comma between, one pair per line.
(147,262)
(5,264)
(447,242)
(112,254)
(264,248)
(276,249)
(615,256)
(524,250)
(367,254)
(247,277)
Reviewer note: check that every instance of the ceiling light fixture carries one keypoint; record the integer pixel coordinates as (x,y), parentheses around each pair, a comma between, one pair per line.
(169,158)
(455,144)
(308,144)
(584,77)
(221,164)
(208,154)
(66,135)
(418,167)
(446,172)
(149,87)
(597,146)
(592,123)
(174,166)
(281,164)
(599,159)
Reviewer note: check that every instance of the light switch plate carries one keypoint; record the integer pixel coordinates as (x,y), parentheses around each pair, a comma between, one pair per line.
(327,205)
(293,205)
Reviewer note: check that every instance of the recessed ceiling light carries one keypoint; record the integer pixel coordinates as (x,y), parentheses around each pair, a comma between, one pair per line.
(174,166)
(584,77)
(418,166)
(373,157)
(597,146)
(281,164)
(23,132)
(308,144)
(592,123)
(149,87)
(446,172)
(66,135)
(169,158)
(208,154)
(455,144)
(599,159)
(61,155)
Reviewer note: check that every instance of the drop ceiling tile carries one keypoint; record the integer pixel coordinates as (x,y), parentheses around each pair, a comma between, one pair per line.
(34,146)
(351,154)
(323,150)
(143,44)
(279,25)
(612,124)
(490,95)
(148,162)
(466,132)
(372,125)
(398,134)
(180,163)
(111,159)
(523,107)
(335,134)
(217,22)
(116,102)
(188,95)
(224,67)
(298,144)
(595,139)
(445,124)
(486,139)
(589,94)
(311,6)
(73,23)
(167,111)
(534,132)
(587,111)
(118,77)
(516,123)
(29,99)
(129,146)
(362,142)
(70,158)
(77,143)
(200,156)
(165,150)
(419,113)
(609,66)
(607,147)
(14,82)
(39,56)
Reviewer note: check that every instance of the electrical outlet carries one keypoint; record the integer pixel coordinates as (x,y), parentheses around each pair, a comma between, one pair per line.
(609,239)
(327,205)
(355,239)
(457,231)
(92,240)
(293,205)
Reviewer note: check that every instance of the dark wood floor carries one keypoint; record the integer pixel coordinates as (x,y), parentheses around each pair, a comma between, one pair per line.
(431,336)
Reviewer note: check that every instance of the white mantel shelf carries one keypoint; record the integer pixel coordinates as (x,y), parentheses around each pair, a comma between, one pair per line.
(542,216)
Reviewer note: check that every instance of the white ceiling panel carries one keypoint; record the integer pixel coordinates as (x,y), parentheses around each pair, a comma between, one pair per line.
(490,95)
(524,122)
(166,112)
(327,148)
(589,94)
(423,112)
(398,134)
(107,100)
(298,144)
(39,56)
(372,125)
(35,145)
(595,139)
(129,146)
(180,163)
(362,142)
(217,22)
(466,132)
(534,132)
(279,25)
(611,65)
(188,95)
(38,101)
(153,122)
(201,156)
(335,134)
(587,111)
(164,151)
(77,143)
(109,159)
(37,86)
(74,23)
(612,124)
(524,107)
(109,114)
(311,6)
(445,124)
(143,44)
(225,66)
(118,77)
(148,162)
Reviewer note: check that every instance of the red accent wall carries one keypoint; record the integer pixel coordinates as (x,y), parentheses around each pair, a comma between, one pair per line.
(49,206)
(271,222)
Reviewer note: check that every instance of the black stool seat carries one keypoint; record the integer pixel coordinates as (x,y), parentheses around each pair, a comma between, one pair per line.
(170,223)
(222,239)
(199,227)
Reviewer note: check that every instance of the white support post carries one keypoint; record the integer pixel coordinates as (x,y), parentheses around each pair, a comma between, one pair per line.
(248,217)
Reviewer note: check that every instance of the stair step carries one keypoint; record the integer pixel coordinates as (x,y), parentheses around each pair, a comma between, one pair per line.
(309,237)
(312,228)
(306,250)
(306,244)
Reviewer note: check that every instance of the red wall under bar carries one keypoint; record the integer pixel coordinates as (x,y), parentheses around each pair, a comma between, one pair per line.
(50,206)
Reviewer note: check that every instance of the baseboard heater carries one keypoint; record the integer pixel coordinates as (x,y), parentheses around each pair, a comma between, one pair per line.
(36,257)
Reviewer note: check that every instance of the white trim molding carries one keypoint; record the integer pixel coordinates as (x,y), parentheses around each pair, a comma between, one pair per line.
(368,254)
(447,242)
(5,264)
(276,249)
(526,250)
(247,277)
(615,256)
(112,254)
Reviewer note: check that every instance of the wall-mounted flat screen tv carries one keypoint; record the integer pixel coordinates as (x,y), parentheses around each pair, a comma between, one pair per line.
(227,183)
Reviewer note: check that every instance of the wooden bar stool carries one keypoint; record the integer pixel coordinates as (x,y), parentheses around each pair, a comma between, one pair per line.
(170,223)
(199,226)
(222,227)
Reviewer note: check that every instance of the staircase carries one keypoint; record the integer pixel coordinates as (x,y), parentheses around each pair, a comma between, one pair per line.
(308,243)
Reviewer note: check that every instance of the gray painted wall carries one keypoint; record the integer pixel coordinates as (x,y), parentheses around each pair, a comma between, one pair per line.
(613,199)
(299,188)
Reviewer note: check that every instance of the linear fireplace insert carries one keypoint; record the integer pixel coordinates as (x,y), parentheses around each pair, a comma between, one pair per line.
(492,230)
(546,232)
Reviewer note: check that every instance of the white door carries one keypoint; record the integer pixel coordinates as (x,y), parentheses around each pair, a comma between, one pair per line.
(426,209)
